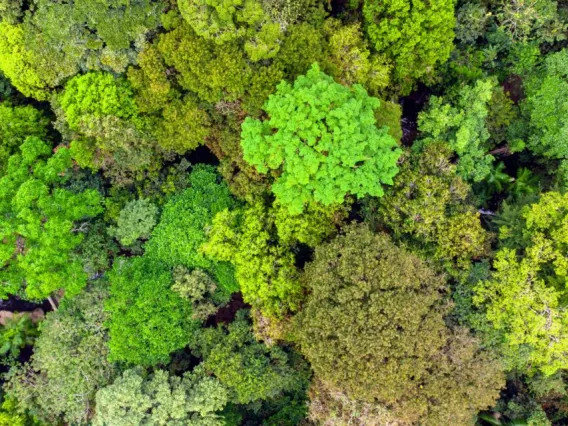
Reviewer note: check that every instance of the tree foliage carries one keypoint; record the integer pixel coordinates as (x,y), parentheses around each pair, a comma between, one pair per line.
(461,123)
(327,134)
(547,109)
(57,39)
(428,205)
(181,230)
(69,364)
(375,315)
(16,124)
(161,399)
(249,369)
(135,221)
(147,320)
(414,35)
(524,296)
(264,268)
(41,223)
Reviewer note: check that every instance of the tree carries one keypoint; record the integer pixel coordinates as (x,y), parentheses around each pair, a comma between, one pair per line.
(525,21)
(181,231)
(524,296)
(160,399)
(327,134)
(259,25)
(24,65)
(182,127)
(331,406)
(11,10)
(249,369)
(16,124)
(408,33)
(428,206)
(352,60)
(546,109)
(147,320)
(264,268)
(135,221)
(96,94)
(226,21)
(99,116)
(200,290)
(15,334)
(310,227)
(212,71)
(461,123)
(42,224)
(374,314)
(57,39)
(69,364)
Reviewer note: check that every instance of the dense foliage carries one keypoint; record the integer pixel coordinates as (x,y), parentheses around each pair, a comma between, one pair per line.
(420,364)
(323,136)
(283,212)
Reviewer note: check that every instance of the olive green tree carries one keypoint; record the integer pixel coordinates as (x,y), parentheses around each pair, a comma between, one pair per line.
(375,315)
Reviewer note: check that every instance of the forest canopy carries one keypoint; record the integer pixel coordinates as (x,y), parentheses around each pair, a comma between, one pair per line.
(283,212)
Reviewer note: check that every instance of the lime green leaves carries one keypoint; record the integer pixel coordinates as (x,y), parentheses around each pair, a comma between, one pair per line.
(321,138)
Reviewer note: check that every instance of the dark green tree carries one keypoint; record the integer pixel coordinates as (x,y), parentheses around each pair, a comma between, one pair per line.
(250,370)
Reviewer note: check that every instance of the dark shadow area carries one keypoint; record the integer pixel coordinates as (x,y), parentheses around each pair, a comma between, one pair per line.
(411,107)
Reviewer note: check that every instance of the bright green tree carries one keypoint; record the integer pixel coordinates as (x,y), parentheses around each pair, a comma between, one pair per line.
(264,268)
(147,320)
(524,296)
(326,133)
(69,364)
(414,35)
(41,223)
(374,314)
(161,399)
(96,94)
(181,230)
